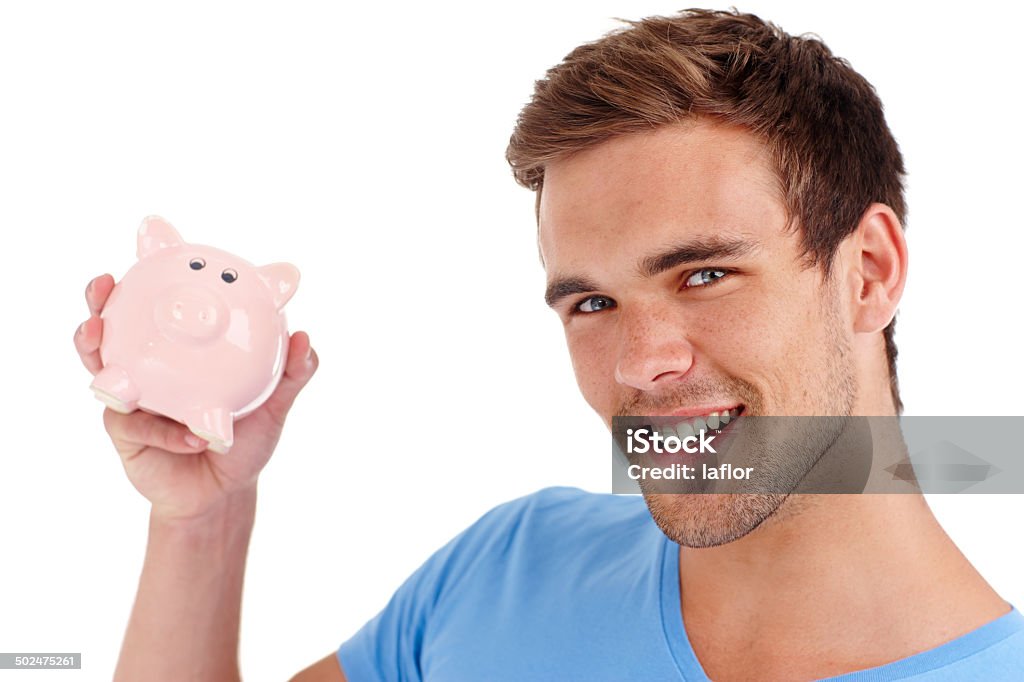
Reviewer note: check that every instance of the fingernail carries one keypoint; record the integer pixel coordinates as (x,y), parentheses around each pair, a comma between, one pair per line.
(309,354)
(92,285)
(194,440)
(81,328)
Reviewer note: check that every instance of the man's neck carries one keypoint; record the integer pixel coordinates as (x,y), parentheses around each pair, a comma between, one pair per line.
(830,584)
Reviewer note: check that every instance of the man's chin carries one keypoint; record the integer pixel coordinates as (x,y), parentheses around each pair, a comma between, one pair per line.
(710,520)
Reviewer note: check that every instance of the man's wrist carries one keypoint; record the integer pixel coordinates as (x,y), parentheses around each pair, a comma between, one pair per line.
(235,512)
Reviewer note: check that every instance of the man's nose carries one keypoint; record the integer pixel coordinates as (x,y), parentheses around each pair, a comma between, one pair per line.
(653,350)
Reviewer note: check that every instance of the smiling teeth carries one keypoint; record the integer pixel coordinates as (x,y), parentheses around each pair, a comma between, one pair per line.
(694,425)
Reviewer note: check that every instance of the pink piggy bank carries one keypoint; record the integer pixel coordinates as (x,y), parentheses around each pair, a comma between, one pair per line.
(194,333)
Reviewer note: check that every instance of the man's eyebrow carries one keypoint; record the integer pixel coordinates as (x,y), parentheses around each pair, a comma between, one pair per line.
(695,251)
(562,287)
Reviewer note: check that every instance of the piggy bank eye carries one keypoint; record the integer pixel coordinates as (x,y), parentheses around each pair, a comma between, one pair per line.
(229,275)
(197,264)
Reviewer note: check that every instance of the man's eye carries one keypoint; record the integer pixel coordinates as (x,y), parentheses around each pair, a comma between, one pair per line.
(594,304)
(704,277)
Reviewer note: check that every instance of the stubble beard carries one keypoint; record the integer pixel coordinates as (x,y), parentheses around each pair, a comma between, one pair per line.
(710,520)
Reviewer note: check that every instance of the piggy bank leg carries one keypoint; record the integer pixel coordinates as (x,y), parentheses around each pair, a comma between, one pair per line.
(114,387)
(214,425)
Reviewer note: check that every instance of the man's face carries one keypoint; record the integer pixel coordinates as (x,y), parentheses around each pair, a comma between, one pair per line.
(683,293)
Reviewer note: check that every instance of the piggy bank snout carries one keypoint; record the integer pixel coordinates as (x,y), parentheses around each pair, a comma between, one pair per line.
(191,313)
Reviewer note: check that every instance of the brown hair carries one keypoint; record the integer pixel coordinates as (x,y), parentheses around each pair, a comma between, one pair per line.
(821,121)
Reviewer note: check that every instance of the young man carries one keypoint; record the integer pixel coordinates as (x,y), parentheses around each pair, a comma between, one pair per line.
(719,210)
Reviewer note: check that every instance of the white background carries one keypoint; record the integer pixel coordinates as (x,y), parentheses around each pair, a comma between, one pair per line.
(366,146)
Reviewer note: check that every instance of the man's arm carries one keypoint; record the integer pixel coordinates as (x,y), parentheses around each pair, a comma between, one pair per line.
(193,574)
(184,625)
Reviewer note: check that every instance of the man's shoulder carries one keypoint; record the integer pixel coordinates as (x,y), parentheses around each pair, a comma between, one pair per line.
(528,575)
(556,521)
(535,543)
(568,497)
(530,544)
(563,509)
(994,651)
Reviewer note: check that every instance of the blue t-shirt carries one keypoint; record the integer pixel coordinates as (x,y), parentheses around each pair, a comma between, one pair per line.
(569,585)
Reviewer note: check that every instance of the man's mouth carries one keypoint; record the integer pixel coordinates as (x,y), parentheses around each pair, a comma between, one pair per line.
(713,422)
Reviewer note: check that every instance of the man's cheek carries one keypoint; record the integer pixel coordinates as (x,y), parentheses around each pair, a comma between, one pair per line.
(750,340)
(735,327)
(593,362)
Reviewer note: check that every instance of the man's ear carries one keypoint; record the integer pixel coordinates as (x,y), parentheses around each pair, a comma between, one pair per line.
(879,262)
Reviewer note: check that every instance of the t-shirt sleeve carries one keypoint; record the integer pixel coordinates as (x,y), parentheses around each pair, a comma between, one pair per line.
(389,647)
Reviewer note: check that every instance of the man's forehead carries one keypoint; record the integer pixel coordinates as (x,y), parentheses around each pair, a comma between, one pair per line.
(657,188)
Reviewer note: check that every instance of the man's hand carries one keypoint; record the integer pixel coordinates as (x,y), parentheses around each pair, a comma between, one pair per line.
(168,464)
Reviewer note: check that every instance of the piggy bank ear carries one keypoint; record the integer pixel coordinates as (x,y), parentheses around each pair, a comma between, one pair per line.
(282,279)
(155,233)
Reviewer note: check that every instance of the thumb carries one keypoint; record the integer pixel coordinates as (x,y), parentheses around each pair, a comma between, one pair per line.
(299,369)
